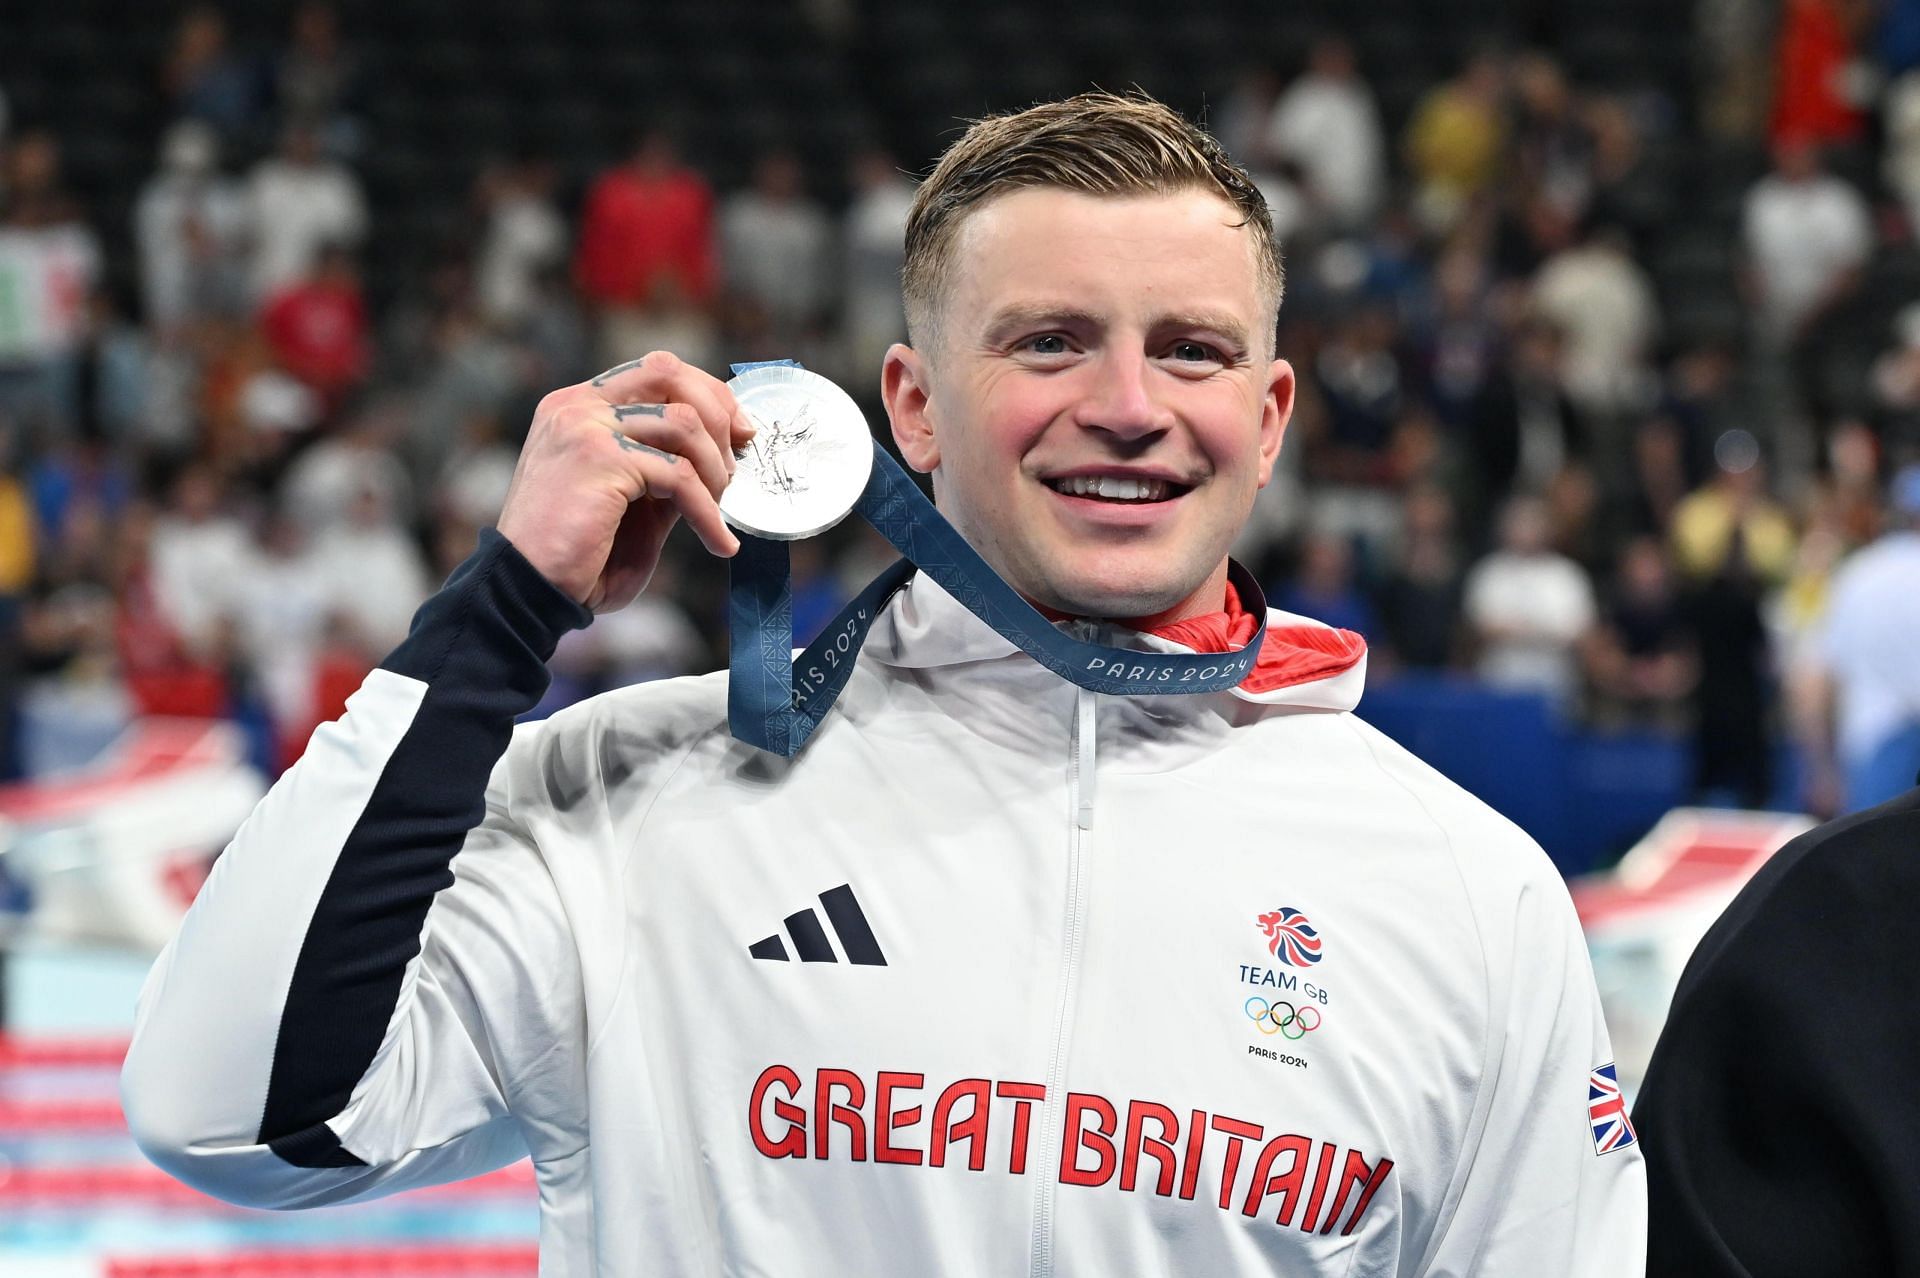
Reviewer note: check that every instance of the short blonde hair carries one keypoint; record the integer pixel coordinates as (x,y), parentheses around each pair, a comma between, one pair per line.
(1095,143)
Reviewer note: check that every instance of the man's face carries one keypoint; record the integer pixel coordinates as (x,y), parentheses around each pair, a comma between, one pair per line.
(1102,404)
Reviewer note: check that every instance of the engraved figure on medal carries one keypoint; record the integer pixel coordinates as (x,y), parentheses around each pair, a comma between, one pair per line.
(780,454)
(808,462)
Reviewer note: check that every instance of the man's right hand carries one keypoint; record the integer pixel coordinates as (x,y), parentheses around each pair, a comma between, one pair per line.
(610,464)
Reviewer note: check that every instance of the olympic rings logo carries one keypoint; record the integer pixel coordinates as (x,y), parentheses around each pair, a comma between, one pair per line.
(1283,1018)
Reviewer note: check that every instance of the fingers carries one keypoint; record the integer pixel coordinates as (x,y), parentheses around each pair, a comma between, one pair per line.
(662,377)
(674,431)
(671,478)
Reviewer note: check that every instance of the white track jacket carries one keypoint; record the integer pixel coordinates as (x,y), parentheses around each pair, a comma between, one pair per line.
(997,977)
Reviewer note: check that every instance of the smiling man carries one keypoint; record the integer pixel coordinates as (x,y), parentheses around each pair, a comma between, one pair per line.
(998,975)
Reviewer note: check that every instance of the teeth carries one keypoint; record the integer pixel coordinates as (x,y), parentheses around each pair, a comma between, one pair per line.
(1114,488)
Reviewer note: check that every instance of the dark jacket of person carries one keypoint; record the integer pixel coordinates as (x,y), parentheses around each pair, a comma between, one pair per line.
(1780,1117)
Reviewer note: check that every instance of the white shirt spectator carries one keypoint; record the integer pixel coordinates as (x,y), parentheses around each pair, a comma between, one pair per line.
(283,604)
(1330,127)
(322,487)
(473,487)
(1605,307)
(1530,610)
(776,248)
(376,578)
(1802,236)
(199,566)
(47,275)
(191,227)
(875,233)
(296,208)
(1866,643)
(526,236)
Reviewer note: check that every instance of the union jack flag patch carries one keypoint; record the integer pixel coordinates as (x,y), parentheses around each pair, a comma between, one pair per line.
(1607,1111)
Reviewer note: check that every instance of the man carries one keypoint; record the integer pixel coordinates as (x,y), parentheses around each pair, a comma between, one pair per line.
(1858,689)
(1779,1108)
(1195,984)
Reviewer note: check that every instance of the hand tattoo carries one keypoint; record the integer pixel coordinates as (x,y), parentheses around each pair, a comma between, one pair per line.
(635,446)
(627,367)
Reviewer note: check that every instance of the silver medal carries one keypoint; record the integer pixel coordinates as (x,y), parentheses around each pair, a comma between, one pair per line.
(808,462)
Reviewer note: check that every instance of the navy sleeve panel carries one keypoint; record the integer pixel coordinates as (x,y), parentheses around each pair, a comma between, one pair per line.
(481,646)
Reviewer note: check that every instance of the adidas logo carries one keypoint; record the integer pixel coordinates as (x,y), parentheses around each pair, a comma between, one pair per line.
(810,938)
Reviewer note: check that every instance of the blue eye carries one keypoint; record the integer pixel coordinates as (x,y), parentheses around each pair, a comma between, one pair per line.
(1194,351)
(1047,344)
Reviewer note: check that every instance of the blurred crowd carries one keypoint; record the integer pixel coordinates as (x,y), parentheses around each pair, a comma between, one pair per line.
(224,489)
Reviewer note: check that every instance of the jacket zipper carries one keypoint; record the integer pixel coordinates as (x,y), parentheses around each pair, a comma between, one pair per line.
(1081,777)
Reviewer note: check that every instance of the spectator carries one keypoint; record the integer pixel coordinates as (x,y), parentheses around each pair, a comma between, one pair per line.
(354,467)
(1818,87)
(317,79)
(17,572)
(1604,305)
(374,574)
(873,250)
(1737,77)
(1525,429)
(1456,343)
(1456,138)
(1326,587)
(1807,235)
(281,605)
(318,328)
(191,228)
(1349,455)
(199,554)
(205,79)
(1328,125)
(299,202)
(473,484)
(1420,600)
(1359,373)
(1630,189)
(165,670)
(1529,609)
(49,265)
(1896,375)
(1642,659)
(1660,477)
(777,253)
(651,638)
(1552,145)
(1863,733)
(524,240)
(1900,162)
(1731,696)
(1733,513)
(646,250)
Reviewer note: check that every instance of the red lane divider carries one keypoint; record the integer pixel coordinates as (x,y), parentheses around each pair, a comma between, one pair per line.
(410,1262)
(150,1186)
(20,1117)
(61,1053)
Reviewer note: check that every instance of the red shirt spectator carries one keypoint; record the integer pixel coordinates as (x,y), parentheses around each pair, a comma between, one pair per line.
(647,224)
(318,327)
(1816,50)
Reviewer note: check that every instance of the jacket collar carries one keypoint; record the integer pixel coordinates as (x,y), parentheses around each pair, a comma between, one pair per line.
(1304,663)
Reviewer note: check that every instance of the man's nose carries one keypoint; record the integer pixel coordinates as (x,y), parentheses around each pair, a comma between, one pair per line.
(1121,401)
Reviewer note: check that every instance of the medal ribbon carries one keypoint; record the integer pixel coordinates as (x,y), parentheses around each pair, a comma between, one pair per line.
(775,701)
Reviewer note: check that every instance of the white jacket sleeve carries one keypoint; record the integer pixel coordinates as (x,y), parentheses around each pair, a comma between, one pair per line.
(1534,1194)
(379,960)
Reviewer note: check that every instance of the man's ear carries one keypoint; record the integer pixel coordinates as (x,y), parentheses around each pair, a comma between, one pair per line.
(1276,410)
(906,389)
